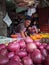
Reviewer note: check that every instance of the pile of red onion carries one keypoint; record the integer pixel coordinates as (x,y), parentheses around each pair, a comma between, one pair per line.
(24,52)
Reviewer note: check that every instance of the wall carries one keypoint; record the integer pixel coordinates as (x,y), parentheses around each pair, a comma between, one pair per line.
(44,19)
(3,27)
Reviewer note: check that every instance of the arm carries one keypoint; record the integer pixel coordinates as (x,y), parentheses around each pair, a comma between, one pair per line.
(36,30)
(22,34)
(26,34)
(22,31)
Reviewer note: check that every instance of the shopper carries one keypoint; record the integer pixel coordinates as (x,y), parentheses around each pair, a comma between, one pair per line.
(36,25)
(34,29)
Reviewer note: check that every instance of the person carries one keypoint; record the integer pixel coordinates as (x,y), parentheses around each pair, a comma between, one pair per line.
(34,17)
(37,26)
(20,29)
(34,29)
(21,17)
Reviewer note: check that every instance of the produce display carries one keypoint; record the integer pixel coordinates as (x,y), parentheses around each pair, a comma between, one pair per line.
(24,52)
(39,36)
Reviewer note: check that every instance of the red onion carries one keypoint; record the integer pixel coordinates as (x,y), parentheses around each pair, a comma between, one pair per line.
(29,55)
(2,46)
(12,62)
(27,61)
(3,59)
(44,45)
(37,50)
(10,54)
(38,43)
(44,52)
(31,47)
(23,49)
(46,62)
(41,47)
(13,46)
(37,40)
(3,51)
(22,44)
(22,54)
(43,58)
(16,58)
(37,57)
(39,64)
(47,48)
(28,40)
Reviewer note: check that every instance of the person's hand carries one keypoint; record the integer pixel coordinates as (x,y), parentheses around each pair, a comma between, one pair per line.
(39,30)
(36,31)
(26,37)
(26,34)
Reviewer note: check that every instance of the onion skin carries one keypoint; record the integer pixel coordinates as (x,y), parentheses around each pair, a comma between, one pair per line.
(37,57)
(4,52)
(22,44)
(23,49)
(43,57)
(47,48)
(3,59)
(37,44)
(28,40)
(10,54)
(39,64)
(13,46)
(2,46)
(29,55)
(41,47)
(37,51)
(27,61)
(44,45)
(30,47)
(46,62)
(16,58)
(44,52)
(22,54)
(13,62)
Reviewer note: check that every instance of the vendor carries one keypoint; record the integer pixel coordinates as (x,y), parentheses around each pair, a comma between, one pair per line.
(20,29)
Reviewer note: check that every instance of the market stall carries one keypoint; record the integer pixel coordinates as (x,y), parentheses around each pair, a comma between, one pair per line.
(27,40)
(25,52)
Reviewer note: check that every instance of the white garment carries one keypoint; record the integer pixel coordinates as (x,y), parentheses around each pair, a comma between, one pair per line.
(7,20)
(31,11)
